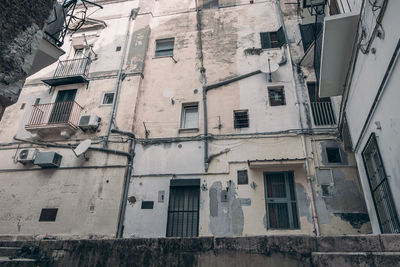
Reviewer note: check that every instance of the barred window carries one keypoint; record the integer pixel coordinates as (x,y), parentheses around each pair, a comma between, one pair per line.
(241,118)
(276,96)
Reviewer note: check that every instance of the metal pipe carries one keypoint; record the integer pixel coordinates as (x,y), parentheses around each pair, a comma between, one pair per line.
(240,77)
(118,83)
(315,215)
(127,180)
(106,150)
(204,85)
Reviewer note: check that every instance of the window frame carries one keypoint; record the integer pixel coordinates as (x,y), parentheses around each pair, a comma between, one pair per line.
(159,50)
(185,107)
(294,223)
(267,42)
(104,95)
(235,121)
(275,89)
(338,152)
(383,184)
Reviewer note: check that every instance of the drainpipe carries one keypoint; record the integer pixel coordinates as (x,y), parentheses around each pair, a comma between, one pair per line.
(128,174)
(204,86)
(120,77)
(309,180)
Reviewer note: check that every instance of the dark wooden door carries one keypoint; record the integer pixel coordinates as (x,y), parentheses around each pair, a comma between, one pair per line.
(62,107)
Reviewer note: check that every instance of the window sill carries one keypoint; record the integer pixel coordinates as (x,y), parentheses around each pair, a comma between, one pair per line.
(188,130)
(155,57)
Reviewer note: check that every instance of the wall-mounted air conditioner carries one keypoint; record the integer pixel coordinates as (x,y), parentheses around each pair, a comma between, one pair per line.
(48,159)
(89,122)
(27,155)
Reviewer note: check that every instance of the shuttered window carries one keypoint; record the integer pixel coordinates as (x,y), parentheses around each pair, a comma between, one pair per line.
(183,208)
(281,201)
(380,188)
(272,39)
(164,47)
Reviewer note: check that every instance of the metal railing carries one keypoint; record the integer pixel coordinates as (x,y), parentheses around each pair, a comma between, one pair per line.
(323,113)
(55,113)
(72,67)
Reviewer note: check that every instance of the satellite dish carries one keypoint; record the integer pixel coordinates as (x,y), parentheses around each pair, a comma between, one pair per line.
(82,147)
(270,66)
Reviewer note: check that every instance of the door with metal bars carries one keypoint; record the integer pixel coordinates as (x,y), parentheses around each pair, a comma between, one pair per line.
(183,208)
(380,189)
(280,198)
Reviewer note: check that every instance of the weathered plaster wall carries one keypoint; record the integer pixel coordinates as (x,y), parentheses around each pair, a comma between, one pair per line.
(368,76)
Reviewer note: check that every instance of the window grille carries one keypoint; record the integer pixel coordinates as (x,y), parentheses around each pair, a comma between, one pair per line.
(108,98)
(276,96)
(241,118)
(164,47)
(183,208)
(380,188)
(281,201)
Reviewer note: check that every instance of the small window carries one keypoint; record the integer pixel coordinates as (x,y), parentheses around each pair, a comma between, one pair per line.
(108,98)
(241,118)
(276,96)
(205,4)
(118,48)
(242,177)
(333,155)
(165,47)
(48,215)
(325,190)
(22,106)
(272,39)
(147,205)
(37,101)
(190,116)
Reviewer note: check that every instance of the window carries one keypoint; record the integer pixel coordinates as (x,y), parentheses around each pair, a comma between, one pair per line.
(37,101)
(22,106)
(108,99)
(333,8)
(242,177)
(241,118)
(333,155)
(48,215)
(281,201)
(272,39)
(190,116)
(183,208)
(209,4)
(380,189)
(276,96)
(147,205)
(164,47)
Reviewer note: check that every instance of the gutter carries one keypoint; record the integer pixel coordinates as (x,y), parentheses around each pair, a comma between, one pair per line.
(120,77)
(309,180)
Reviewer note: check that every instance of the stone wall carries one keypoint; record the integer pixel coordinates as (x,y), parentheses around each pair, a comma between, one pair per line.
(280,251)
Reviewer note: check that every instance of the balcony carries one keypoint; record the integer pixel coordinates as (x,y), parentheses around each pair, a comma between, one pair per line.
(70,71)
(60,118)
(323,113)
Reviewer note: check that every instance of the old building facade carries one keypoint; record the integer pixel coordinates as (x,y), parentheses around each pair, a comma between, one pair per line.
(367,80)
(219,130)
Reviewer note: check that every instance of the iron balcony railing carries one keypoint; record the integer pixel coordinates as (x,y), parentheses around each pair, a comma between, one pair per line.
(55,113)
(72,67)
(323,113)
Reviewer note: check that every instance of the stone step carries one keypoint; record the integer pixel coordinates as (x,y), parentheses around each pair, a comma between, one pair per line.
(356,259)
(8,251)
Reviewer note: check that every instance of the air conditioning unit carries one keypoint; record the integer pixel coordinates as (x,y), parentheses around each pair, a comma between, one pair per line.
(48,159)
(27,155)
(89,122)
